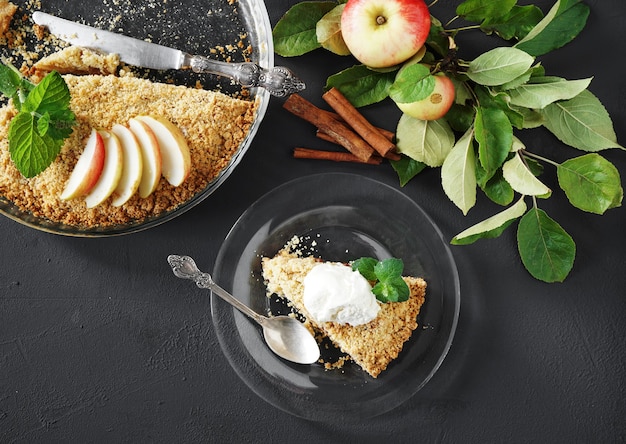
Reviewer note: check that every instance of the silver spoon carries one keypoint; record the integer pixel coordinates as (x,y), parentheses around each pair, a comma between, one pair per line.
(285,336)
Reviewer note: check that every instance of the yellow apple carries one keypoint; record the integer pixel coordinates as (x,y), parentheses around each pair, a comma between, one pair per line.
(175,156)
(436,105)
(150,155)
(88,168)
(132,165)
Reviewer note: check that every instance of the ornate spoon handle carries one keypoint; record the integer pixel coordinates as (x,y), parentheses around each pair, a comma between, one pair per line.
(279,81)
(185,267)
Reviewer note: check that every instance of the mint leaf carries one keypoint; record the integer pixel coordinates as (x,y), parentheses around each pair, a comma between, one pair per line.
(547,251)
(49,95)
(44,120)
(387,277)
(591,183)
(30,151)
(295,33)
(392,290)
(10,80)
(361,85)
(388,268)
(365,266)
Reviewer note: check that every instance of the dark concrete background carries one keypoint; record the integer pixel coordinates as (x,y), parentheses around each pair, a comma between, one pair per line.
(99,342)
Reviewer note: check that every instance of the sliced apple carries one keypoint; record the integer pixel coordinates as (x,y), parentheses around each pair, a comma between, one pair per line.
(175,157)
(132,166)
(150,155)
(111,172)
(88,168)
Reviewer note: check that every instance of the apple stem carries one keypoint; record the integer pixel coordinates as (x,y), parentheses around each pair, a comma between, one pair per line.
(380,20)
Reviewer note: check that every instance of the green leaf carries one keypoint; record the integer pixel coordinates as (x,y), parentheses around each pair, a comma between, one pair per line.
(460,117)
(581,122)
(50,95)
(517,23)
(392,290)
(458,175)
(530,117)
(479,10)
(387,276)
(295,33)
(10,80)
(412,83)
(30,152)
(499,66)
(361,85)
(546,250)
(492,227)
(500,100)
(437,38)
(560,26)
(365,266)
(427,141)
(494,135)
(542,91)
(61,122)
(389,268)
(522,179)
(498,190)
(591,183)
(328,32)
(407,168)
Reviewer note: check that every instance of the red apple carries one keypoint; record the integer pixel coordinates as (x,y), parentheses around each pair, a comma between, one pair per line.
(88,168)
(383,33)
(175,156)
(436,105)
(111,172)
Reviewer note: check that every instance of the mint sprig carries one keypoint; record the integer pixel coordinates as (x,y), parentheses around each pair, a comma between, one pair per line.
(43,122)
(386,276)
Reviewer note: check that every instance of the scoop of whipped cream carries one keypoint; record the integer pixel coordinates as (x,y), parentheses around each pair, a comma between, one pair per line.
(335,293)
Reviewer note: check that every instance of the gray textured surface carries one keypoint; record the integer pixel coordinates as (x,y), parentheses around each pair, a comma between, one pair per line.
(100,343)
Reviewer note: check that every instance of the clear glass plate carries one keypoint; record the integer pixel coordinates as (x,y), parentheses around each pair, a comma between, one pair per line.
(197,27)
(344,217)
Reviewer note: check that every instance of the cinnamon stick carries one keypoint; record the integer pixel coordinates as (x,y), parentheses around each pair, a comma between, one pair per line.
(307,153)
(386,133)
(355,119)
(343,135)
(391,155)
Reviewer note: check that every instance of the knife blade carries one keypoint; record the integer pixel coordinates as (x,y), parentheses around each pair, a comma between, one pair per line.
(279,81)
(133,51)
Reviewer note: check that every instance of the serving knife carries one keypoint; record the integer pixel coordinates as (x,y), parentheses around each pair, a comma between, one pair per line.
(278,81)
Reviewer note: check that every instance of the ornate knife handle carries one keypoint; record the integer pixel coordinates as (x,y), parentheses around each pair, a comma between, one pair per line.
(279,81)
